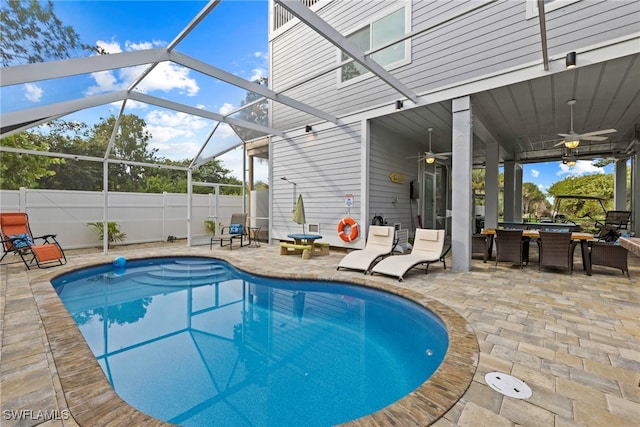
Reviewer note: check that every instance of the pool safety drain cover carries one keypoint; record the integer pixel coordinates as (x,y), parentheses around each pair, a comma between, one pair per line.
(508,385)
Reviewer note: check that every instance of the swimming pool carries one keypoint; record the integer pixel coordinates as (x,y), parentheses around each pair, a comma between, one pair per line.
(190,340)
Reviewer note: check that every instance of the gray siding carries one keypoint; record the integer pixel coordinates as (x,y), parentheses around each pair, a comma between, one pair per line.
(390,155)
(493,38)
(335,156)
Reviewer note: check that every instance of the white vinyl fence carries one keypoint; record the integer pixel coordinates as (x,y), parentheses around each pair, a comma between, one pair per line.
(143,217)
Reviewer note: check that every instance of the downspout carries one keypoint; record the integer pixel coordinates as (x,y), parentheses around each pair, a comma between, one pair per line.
(543,34)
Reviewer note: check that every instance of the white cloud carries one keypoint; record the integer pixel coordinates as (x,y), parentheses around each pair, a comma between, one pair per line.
(535,173)
(258,73)
(176,151)
(226,108)
(166,126)
(542,187)
(166,76)
(259,54)
(582,167)
(33,92)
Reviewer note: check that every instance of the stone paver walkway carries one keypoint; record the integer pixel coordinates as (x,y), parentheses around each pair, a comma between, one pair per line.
(574,339)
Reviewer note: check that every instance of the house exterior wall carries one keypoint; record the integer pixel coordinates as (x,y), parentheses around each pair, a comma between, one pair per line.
(492,38)
(460,47)
(324,165)
(389,199)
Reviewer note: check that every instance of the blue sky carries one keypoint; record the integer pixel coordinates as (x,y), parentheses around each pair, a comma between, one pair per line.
(233,37)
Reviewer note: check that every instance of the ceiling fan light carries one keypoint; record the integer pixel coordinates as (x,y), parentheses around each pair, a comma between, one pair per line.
(570,163)
(572,143)
(429,160)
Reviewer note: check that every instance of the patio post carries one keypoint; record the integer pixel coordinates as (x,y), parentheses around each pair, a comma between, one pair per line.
(509,191)
(491,173)
(462,218)
(620,185)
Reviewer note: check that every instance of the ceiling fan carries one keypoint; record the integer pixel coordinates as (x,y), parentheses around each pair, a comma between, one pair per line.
(429,156)
(572,139)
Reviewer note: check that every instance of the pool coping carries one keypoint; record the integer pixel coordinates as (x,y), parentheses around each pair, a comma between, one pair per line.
(91,399)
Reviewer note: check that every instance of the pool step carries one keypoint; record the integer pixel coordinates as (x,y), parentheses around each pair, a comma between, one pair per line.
(192,268)
(181,281)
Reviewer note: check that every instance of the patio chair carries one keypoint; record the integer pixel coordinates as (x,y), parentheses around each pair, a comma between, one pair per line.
(380,243)
(609,255)
(614,222)
(17,238)
(482,244)
(428,247)
(556,249)
(512,246)
(236,230)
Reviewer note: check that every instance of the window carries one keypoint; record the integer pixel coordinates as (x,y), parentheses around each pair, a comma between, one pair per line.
(549,5)
(375,34)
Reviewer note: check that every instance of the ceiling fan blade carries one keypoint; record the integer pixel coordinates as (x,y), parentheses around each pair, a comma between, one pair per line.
(593,138)
(559,143)
(442,155)
(565,135)
(597,132)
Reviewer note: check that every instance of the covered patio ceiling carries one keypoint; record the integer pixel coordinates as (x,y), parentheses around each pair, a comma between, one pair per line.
(526,118)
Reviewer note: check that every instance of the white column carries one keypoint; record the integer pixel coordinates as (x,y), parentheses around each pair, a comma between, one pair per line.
(517,193)
(365,144)
(105,207)
(189,203)
(620,186)
(462,218)
(491,185)
(509,191)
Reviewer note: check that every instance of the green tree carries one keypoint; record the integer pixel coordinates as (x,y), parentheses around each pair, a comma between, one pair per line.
(534,201)
(73,138)
(214,172)
(600,185)
(132,144)
(31,32)
(24,170)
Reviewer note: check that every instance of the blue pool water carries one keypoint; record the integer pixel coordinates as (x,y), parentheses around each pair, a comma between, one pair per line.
(196,342)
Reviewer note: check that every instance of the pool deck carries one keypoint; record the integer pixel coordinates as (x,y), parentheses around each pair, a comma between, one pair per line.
(574,339)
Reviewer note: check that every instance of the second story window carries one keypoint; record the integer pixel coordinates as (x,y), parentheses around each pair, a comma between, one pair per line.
(375,34)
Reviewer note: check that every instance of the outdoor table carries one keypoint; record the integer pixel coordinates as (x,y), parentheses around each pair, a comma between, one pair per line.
(584,238)
(304,239)
(253,237)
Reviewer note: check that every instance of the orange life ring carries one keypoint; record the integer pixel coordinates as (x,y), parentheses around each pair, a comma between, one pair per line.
(353,235)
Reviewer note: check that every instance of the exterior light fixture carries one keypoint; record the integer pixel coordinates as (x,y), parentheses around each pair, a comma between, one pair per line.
(429,160)
(571,60)
(571,163)
(399,105)
(308,128)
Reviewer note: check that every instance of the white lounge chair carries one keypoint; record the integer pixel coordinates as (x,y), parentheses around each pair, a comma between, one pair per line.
(379,244)
(428,247)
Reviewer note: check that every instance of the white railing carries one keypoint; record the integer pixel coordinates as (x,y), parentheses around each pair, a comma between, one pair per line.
(281,15)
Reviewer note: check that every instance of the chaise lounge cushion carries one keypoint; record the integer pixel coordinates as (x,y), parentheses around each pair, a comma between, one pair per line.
(379,244)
